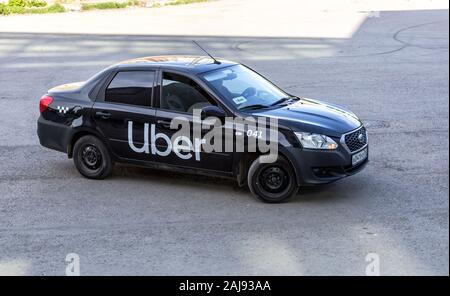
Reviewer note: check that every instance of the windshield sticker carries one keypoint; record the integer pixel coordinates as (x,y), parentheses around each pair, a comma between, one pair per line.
(239,100)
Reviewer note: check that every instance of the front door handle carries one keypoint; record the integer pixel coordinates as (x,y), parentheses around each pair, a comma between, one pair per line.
(103,114)
(164,123)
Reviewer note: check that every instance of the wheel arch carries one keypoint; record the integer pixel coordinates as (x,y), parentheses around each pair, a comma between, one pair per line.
(81,133)
(244,163)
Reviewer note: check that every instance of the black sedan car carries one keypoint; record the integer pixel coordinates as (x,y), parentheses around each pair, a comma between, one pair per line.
(127,113)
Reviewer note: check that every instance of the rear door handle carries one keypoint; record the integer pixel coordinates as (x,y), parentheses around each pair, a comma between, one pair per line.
(164,123)
(103,114)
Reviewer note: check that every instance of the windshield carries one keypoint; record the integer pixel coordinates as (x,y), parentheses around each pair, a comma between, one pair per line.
(244,88)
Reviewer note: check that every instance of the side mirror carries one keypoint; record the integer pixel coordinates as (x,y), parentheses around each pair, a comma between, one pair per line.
(213,111)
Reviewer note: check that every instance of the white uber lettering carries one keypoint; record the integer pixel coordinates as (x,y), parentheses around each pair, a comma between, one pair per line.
(198,147)
(178,147)
(144,148)
(157,136)
(182,146)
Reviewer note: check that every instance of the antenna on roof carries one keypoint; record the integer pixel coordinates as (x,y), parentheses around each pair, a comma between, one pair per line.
(214,59)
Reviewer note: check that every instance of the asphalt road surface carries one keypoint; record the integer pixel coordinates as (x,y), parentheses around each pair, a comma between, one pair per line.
(392,72)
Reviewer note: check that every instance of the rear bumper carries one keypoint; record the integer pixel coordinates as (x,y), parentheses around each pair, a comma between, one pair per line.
(53,135)
(315,167)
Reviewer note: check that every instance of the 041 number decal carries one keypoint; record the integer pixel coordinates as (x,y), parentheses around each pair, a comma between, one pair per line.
(254,133)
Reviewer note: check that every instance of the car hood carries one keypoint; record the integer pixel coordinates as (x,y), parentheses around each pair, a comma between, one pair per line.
(314,116)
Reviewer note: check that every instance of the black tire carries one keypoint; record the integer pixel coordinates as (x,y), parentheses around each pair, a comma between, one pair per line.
(92,158)
(272,182)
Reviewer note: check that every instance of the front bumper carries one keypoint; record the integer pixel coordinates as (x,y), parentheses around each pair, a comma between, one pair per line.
(315,167)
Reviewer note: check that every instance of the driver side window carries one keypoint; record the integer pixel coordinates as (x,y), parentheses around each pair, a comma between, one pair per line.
(182,94)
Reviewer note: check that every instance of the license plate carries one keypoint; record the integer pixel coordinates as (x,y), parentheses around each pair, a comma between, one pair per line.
(359,157)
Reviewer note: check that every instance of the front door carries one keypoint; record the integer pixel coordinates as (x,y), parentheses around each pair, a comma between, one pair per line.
(178,97)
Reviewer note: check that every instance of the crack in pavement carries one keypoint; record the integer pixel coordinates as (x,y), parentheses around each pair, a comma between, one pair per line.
(407,44)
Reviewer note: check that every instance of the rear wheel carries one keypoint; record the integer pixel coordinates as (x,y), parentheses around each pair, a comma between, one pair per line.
(272,182)
(91,158)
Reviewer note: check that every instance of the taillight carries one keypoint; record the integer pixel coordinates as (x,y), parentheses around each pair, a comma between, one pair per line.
(45,102)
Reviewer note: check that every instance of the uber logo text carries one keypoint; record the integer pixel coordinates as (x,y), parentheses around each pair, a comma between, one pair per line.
(211,134)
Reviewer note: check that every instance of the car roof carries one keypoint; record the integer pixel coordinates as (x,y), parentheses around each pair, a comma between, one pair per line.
(182,63)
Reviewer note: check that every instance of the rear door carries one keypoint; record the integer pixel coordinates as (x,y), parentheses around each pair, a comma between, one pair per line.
(123,113)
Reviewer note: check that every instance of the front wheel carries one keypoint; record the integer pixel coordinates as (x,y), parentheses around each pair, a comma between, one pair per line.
(91,158)
(272,182)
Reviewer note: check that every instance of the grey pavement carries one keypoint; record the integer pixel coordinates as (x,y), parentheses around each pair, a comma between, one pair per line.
(392,71)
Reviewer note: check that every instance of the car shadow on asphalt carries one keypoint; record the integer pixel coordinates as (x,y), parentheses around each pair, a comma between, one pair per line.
(166,176)
(321,193)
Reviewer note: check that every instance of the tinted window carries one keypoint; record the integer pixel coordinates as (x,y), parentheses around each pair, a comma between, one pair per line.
(182,94)
(131,87)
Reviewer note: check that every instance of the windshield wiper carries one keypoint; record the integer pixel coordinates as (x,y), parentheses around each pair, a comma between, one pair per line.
(282,100)
(261,106)
(255,106)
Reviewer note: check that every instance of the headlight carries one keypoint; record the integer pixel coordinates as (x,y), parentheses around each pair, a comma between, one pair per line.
(315,141)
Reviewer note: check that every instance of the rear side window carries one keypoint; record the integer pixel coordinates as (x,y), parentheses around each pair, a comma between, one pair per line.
(131,88)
